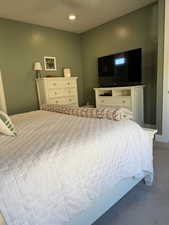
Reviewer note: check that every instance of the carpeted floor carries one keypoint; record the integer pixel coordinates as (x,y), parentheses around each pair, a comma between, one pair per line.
(144,205)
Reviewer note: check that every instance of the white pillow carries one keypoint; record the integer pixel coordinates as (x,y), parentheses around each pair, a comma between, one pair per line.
(6,125)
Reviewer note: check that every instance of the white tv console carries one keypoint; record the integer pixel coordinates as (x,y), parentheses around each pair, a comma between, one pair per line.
(131,97)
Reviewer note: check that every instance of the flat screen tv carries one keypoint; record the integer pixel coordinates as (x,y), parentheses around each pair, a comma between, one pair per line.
(121,69)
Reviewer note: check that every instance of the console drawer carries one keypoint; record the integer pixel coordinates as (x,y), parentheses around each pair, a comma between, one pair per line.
(105,101)
(121,101)
(114,101)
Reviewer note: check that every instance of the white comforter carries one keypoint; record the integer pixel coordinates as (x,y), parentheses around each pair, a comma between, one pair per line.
(58,164)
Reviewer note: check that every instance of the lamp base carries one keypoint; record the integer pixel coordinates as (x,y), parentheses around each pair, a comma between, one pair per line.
(38,74)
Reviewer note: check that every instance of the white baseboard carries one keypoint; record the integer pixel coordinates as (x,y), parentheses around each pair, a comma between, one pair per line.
(151,126)
(161,138)
(161,146)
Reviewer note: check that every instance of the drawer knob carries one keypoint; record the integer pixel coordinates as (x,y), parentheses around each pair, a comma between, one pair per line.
(102,101)
(68,83)
(124,101)
(55,93)
(70,100)
(56,101)
(54,84)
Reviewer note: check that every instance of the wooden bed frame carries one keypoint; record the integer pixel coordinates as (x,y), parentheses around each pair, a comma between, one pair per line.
(107,200)
(2,96)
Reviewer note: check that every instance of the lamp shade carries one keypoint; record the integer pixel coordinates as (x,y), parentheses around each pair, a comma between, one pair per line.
(37,66)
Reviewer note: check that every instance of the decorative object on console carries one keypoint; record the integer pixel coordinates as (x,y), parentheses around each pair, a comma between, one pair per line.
(50,63)
(38,68)
(67,72)
(130,97)
(60,91)
(6,125)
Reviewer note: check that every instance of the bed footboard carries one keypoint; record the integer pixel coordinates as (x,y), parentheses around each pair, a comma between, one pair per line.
(105,202)
(151,132)
(100,206)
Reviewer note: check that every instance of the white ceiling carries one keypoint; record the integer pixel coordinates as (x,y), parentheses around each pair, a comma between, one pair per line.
(54,13)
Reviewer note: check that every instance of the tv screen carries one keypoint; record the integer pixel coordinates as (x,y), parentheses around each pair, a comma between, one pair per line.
(120,69)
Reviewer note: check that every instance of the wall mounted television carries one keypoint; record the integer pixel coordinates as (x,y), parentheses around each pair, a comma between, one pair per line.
(121,69)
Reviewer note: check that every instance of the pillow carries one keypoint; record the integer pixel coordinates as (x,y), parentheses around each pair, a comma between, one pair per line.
(71,110)
(114,113)
(6,125)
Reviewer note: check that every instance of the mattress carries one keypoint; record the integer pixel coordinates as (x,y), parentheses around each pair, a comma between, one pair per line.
(59,164)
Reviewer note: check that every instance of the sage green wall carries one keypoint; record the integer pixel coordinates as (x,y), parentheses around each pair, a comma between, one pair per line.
(20,46)
(135,30)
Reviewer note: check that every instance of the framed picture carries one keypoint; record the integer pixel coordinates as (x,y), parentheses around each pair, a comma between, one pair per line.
(50,63)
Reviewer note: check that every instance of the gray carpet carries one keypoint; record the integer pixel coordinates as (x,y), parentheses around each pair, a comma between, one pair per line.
(144,205)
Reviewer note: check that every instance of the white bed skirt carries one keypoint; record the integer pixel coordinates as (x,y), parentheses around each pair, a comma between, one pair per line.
(110,198)
(101,205)
(105,202)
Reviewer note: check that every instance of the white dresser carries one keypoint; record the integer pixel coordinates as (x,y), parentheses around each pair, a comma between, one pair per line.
(131,97)
(60,90)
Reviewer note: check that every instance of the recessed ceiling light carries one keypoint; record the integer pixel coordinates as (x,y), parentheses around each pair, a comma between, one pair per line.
(72,17)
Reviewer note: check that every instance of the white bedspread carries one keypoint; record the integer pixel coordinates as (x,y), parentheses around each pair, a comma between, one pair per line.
(58,164)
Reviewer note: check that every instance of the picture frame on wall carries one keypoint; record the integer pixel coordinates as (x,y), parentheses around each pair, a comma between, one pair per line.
(50,63)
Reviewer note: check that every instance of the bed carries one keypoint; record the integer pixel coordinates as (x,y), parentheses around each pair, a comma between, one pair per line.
(52,152)
(68,170)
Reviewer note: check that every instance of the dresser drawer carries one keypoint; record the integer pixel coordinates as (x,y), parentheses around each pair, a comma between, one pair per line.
(54,84)
(69,92)
(61,84)
(53,93)
(70,83)
(70,100)
(63,101)
(58,101)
